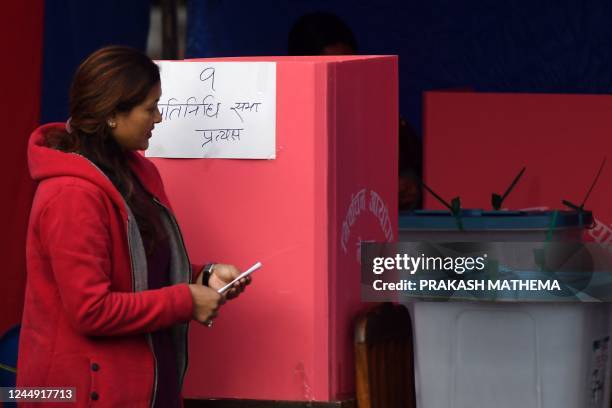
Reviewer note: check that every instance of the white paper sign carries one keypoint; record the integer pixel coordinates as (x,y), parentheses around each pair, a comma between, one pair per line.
(216,110)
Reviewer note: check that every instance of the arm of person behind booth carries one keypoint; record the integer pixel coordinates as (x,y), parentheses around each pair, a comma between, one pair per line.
(74,227)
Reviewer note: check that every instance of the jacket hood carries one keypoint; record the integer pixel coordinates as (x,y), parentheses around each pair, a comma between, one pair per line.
(45,162)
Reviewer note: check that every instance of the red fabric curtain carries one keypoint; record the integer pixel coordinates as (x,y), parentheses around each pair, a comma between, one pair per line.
(21,39)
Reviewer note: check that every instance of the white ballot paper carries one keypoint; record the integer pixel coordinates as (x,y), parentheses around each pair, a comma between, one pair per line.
(216,110)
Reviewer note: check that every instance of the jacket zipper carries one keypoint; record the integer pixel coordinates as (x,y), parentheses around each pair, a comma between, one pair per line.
(150,342)
(178,232)
(176,228)
(149,337)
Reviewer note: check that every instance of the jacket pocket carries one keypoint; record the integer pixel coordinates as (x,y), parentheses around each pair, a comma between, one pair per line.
(72,370)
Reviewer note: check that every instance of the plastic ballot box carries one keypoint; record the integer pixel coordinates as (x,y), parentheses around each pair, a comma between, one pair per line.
(510,348)
(332,184)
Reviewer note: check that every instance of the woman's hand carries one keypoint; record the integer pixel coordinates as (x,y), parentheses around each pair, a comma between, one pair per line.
(223,274)
(206,303)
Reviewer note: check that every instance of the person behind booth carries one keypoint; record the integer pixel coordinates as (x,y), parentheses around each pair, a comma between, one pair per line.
(110,289)
(322,33)
(410,163)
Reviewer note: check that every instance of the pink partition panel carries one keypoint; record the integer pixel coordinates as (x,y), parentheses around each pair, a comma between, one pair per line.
(475,143)
(333,183)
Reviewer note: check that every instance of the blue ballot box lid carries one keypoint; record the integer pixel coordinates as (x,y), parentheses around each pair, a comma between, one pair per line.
(483,220)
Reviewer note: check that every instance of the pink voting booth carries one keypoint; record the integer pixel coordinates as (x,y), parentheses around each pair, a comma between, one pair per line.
(333,184)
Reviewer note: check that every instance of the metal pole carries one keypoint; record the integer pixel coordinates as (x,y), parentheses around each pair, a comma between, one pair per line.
(169,29)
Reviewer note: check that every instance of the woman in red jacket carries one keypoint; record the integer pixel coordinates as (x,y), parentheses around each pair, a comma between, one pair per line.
(109,290)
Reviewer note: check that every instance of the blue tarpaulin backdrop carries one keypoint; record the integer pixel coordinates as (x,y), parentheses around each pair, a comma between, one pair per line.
(74,29)
(561,46)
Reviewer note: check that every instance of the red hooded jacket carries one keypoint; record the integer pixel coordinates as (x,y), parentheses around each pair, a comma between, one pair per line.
(87,311)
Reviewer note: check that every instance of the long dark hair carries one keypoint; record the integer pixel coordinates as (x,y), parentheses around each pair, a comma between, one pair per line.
(112,80)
